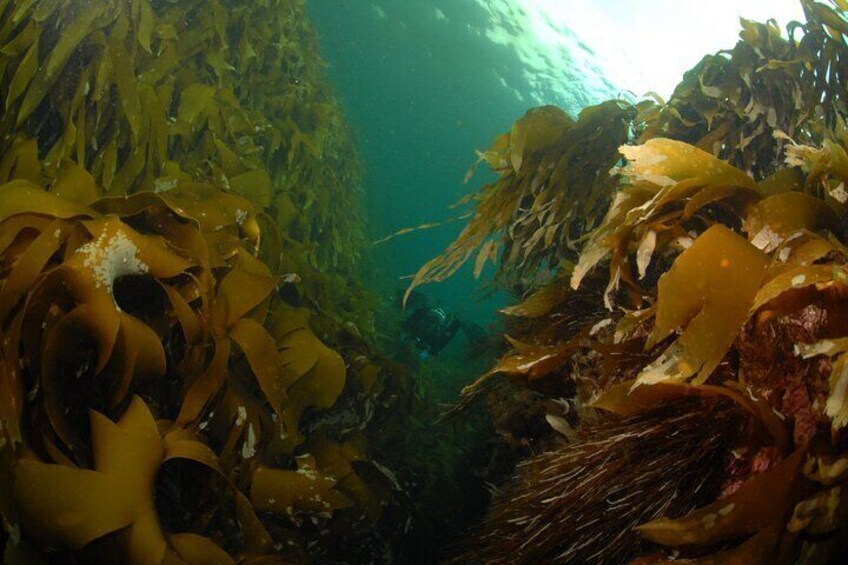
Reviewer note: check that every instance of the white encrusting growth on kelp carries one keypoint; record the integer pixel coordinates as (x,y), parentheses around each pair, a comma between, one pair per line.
(112,256)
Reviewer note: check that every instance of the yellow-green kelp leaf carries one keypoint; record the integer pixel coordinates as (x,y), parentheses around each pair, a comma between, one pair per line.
(76,185)
(22,196)
(265,362)
(664,162)
(73,507)
(538,129)
(76,506)
(254,185)
(774,219)
(287,492)
(708,292)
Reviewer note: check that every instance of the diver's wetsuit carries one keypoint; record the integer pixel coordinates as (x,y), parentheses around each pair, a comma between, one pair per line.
(431,328)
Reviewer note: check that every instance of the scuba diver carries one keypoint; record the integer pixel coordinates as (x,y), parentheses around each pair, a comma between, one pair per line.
(430,327)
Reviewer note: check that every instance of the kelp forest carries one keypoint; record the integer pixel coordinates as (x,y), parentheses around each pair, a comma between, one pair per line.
(187,369)
(193,369)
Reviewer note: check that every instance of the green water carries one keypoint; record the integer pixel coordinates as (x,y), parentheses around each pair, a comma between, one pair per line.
(424,87)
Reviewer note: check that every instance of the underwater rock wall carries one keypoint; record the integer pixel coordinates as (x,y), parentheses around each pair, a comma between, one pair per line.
(186,372)
(677,359)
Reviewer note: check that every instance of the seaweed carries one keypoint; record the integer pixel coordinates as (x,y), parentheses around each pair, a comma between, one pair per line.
(523,217)
(710,264)
(187,370)
(105,302)
(207,101)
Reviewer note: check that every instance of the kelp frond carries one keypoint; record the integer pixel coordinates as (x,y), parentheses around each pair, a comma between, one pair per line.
(524,217)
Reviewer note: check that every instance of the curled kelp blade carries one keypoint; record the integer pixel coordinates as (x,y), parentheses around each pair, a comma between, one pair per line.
(665,162)
(30,263)
(23,196)
(316,383)
(759,504)
(128,456)
(267,364)
(183,446)
(205,385)
(785,213)
(289,493)
(83,295)
(539,129)
(239,292)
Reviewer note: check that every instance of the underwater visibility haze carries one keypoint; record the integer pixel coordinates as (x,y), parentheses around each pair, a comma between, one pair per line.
(423,281)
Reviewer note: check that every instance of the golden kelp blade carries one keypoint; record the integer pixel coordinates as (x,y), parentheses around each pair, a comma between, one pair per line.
(665,162)
(660,175)
(22,196)
(536,131)
(785,213)
(291,492)
(127,455)
(758,505)
(708,292)
(77,506)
